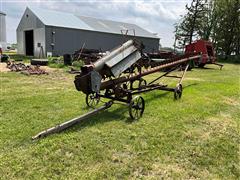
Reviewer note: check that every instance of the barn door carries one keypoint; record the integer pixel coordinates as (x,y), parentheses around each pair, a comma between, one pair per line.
(29,43)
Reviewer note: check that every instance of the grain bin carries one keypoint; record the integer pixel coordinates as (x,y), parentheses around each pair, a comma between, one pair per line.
(3,38)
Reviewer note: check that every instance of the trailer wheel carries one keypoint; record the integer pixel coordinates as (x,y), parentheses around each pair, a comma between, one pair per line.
(178,92)
(92,100)
(136,107)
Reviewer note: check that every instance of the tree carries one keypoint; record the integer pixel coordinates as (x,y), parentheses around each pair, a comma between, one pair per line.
(189,25)
(207,21)
(215,20)
(226,31)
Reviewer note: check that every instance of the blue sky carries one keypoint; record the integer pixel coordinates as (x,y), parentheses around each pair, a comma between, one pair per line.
(157,16)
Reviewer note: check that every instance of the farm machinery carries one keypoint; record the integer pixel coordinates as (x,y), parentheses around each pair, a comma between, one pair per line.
(119,77)
(205,48)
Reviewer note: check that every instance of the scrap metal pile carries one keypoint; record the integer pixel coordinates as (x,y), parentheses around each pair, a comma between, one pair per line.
(119,76)
(88,56)
(25,69)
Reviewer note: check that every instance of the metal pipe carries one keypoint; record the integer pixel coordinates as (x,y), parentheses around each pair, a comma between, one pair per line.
(162,75)
(183,74)
(133,76)
(153,88)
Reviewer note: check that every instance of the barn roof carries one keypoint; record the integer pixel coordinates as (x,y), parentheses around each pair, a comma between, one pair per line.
(68,20)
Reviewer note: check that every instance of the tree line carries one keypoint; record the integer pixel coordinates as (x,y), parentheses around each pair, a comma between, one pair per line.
(215,20)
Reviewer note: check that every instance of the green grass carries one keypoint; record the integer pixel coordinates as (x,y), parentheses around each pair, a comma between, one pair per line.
(19,57)
(195,137)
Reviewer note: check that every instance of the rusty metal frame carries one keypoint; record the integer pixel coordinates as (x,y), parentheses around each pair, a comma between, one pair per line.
(149,87)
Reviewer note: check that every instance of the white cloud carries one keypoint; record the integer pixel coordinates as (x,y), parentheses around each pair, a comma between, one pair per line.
(157,16)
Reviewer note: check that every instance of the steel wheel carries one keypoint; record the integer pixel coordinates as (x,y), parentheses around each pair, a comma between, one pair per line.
(92,100)
(136,107)
(178,92)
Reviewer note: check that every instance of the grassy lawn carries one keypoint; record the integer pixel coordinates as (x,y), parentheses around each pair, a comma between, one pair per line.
(196,137)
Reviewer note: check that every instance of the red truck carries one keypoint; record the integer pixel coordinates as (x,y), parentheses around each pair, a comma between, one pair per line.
(206,49)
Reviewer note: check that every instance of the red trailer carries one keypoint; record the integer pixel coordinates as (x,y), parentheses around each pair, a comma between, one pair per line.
(206,49)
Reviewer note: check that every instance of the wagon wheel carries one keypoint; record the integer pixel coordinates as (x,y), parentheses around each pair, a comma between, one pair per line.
(178,92)
(92,100)
(136,107)
(142,83)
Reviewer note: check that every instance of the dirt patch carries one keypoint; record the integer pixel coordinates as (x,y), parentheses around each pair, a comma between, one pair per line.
(122,157)
(166,170)
(198,133)
(3,67)
(231,101)
(212,126)
(221,125)
(48,69)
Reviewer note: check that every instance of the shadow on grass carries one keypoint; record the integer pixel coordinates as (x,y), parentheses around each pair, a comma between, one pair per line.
(102,117)
(216,67)
(156,96)
(190,85)
(117,114)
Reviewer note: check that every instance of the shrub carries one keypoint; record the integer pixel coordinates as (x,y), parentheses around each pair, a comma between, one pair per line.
(77,63)
(229,59)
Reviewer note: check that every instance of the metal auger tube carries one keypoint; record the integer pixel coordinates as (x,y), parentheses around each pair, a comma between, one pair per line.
(135,76)
(98,65)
